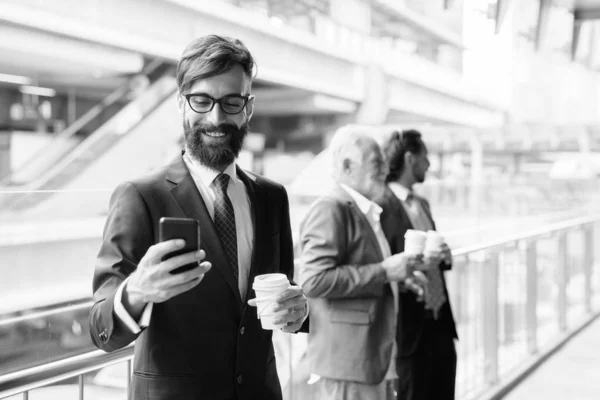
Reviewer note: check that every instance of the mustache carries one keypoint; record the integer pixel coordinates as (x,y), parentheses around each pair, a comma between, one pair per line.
(207,127)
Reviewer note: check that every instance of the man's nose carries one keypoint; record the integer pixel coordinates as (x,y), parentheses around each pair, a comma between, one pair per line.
(216,115)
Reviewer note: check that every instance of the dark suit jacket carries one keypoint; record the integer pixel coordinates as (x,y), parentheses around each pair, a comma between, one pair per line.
(205,343)
(352,317)
(411,313)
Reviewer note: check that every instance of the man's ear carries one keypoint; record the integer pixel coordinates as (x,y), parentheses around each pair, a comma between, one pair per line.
(250,108)
(346,165)
(408,158)
(180,102)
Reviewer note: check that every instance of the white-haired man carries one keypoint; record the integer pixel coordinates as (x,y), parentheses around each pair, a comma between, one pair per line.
(349,276)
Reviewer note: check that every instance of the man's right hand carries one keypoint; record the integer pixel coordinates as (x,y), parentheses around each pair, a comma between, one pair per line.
(152,281)
(400,266)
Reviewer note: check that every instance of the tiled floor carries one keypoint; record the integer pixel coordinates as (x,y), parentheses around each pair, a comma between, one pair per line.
(572,373)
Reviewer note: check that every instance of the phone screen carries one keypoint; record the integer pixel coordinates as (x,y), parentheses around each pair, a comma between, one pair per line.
(187,229)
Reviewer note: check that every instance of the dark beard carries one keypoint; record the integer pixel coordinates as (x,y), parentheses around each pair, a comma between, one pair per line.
(214,156)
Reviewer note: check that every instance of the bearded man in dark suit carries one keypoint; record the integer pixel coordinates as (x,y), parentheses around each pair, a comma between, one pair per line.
(196,337)
(426,362)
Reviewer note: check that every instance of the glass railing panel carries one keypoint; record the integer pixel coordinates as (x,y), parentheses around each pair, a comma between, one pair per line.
(547,289)
(465,295)
(595,266)
(512,290)
(47,255)
(576,309)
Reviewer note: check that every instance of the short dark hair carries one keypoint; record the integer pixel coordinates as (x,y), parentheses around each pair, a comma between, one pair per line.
(210,56)
(396,146)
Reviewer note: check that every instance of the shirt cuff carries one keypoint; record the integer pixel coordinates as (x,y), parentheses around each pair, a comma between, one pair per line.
(134,326)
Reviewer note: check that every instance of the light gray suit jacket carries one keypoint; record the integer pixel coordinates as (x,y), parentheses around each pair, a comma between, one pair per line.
(352,317)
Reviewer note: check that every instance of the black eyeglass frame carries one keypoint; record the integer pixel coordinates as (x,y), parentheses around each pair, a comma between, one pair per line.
(214,101)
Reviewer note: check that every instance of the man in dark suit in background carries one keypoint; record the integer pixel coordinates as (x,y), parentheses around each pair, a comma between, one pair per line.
(350,277)
(426,332)
(195,336)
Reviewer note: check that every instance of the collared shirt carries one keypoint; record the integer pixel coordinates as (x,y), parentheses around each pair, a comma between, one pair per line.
(236,190)
(372,211)
(237,193)
(418,218)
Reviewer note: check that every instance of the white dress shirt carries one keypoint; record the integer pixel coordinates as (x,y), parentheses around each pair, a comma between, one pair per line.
(373,211)
(237,193)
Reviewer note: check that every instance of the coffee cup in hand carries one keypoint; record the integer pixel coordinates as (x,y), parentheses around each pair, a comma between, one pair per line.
(267,287)
(434,242)
(414,242)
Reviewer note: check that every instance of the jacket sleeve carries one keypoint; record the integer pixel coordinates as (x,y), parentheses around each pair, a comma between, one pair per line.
(323,269)
(128,233)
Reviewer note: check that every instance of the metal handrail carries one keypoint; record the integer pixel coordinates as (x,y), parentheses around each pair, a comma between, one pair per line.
(39,376)
(56,371)
(547,230)
(46,313)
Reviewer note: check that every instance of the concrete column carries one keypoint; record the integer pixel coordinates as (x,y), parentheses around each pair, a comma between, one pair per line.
(374,109)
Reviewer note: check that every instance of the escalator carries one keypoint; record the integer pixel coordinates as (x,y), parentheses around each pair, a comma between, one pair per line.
(72,151)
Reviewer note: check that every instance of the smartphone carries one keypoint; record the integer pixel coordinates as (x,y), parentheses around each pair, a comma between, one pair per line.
(187,229)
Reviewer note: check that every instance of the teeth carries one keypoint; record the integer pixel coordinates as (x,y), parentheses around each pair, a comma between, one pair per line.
(214,134)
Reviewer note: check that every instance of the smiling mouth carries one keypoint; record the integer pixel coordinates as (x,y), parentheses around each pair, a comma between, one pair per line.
(215,134)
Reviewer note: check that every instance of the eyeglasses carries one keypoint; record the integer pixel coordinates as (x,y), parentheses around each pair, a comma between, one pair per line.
(230,104)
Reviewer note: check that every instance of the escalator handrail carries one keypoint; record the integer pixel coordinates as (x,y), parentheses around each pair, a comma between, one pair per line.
(118,94)
(86,304)
(94,137)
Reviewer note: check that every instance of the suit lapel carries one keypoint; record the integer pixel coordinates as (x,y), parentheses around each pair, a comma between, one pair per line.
(425,207)
(192,205)
(400,210)
(395,221)
(340,193)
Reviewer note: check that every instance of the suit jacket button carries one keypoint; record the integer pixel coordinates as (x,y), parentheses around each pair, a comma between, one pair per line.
(242,330)
(103,335)
(240,379)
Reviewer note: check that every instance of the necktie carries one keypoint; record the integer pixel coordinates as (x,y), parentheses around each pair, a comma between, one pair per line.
(436,296)
(225,221)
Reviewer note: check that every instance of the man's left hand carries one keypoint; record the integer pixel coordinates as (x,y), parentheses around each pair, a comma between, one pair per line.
(294,301)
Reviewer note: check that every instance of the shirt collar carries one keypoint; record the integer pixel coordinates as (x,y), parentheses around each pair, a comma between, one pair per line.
(399,190)
(365,205)
(207,175)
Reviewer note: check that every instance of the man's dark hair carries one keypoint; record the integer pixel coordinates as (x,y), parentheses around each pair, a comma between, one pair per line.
(396,146)
(210,56)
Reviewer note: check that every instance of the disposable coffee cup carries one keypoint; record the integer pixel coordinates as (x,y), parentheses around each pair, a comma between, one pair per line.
(414,241)
(434,242)
(267,287)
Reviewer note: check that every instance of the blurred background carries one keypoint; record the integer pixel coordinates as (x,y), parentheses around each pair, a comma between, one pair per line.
(505,92)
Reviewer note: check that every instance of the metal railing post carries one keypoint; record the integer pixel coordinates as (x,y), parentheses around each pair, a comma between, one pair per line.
(588,260)
(489,303)
(561,281)
(531,297)
(81,383)
(129,374)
